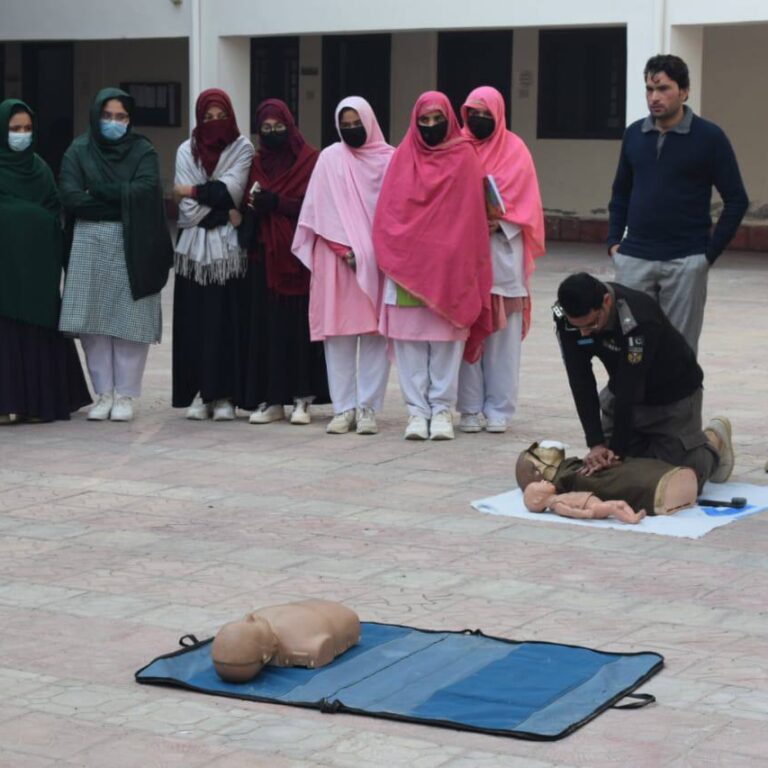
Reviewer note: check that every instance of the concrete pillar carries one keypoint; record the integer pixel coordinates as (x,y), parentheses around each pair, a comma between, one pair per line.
(413,71)
(311,88)
(687,42)
(218,62)
(233,74)
(645,38)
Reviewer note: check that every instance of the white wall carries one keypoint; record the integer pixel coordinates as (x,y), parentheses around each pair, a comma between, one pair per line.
(733,96)
(92,19)
(102,63)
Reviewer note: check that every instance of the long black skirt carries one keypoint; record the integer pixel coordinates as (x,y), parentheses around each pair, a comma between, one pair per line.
(40,373)
(279,362)
(206,355)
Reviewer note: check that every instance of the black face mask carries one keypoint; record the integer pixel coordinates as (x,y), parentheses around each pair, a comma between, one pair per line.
(274,140)
(482,127)
(355,137)
(434,134)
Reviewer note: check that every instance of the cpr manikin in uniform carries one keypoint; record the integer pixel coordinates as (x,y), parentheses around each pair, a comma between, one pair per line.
(634,486)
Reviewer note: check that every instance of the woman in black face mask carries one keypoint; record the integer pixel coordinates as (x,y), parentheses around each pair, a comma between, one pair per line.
(281,366)
(333,240)
(431,240)
(488,389)
(433,127)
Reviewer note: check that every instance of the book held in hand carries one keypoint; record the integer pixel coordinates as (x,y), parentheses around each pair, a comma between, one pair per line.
(493,201)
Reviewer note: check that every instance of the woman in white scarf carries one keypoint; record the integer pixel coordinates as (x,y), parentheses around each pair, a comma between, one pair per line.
(211,173)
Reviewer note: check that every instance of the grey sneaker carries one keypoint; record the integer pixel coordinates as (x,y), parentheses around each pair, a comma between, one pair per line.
(366,422)
(720,428)
(341,423)
(470,422)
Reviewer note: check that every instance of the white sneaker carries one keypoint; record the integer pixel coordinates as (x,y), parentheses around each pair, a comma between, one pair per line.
(300,413)
(199,411)
(441,426)
(496,425)
(366,422)
(266,414)
(223,410)
(470,422)
(341,423)
(417,428)
(102,408)
(122,410)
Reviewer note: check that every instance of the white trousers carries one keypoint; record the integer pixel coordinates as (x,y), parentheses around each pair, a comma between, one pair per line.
(491,385)
(358,369)
(429,374)
(115,364)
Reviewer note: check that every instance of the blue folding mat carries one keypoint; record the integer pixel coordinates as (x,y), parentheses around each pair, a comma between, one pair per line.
(462,680)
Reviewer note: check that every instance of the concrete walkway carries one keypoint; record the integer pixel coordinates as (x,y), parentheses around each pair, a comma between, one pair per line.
(115,540)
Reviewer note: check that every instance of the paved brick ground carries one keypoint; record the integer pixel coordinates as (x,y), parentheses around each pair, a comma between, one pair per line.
(117,539)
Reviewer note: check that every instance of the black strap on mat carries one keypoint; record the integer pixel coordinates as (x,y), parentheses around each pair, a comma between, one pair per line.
(188,641)
(643,700)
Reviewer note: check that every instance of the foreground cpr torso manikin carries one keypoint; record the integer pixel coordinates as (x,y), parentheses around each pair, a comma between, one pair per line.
(309,633)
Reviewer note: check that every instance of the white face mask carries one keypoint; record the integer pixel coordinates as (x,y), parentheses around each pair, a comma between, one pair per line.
(19,141)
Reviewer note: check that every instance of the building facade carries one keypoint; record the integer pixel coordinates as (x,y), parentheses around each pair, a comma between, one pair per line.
(571,73)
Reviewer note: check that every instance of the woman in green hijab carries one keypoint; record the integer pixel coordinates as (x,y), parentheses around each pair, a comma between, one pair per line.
(121,252)
(40,374)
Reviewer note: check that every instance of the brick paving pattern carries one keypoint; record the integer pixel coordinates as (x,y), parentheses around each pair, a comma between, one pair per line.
(116,539)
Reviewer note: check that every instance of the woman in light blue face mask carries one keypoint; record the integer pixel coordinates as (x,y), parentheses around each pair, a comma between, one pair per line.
(121,252)
(40,374)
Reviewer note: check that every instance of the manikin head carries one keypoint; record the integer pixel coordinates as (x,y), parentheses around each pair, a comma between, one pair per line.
(242,648)
(537,494)
(538,462)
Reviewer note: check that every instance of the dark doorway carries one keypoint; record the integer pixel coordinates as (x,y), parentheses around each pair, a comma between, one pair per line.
(355,65)
(466,60)
(47,85)
(274,73)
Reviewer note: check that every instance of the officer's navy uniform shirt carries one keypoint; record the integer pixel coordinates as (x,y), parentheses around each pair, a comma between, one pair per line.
(647,360)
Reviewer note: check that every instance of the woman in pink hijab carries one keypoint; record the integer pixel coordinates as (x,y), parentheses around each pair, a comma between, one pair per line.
(431,240)
(334,241)
(488,388)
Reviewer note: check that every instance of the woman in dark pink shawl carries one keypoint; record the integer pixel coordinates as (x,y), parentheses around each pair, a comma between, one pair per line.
(488,388)
(431,239)
(333,240)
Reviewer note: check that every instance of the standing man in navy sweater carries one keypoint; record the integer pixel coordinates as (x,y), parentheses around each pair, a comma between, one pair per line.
(660,222)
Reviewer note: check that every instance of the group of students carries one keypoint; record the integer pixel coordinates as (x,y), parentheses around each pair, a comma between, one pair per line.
(299,275)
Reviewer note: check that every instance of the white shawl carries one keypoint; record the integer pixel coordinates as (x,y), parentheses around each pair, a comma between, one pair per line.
(211,255)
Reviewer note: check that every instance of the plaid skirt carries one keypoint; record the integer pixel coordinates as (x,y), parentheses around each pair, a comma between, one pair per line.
(97,293)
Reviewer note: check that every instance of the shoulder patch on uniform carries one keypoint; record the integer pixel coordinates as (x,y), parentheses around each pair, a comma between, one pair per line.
(627,321)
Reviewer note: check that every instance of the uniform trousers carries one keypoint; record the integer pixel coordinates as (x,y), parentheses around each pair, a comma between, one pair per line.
(429,374)
(490,386)
(358,369)
(671,432)
(115,364)
(679,286)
